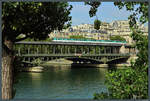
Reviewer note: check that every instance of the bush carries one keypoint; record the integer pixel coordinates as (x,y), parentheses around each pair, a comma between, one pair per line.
(117,38)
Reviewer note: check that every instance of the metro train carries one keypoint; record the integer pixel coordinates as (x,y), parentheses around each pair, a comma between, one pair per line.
(87,41)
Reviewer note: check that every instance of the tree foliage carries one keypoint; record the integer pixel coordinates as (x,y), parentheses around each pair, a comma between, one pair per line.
(76,37)
(97,24)
(94,5)
(125,84)
(132,82)
(34,20)
(80,37)
(141,10)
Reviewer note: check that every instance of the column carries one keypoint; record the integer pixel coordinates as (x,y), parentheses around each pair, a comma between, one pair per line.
(65,49)
(88,49)
(23,49)
(28,50)
(40,49)
(81,49)
(104,49)
(19,53)
(46,49)
(95,49)
(75,50)
(114,50)
(110,50)
(68,50)
(117,50)
(99,49)
(61,50)
(28,59)
(54,49)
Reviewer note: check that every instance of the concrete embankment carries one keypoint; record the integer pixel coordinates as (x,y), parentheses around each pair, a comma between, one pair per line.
(100,65)
(32,69)
(67,64)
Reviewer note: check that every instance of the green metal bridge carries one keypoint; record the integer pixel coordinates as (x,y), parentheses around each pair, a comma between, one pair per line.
(96,53)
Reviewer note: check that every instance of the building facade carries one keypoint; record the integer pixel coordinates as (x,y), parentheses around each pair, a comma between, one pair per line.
(106,30)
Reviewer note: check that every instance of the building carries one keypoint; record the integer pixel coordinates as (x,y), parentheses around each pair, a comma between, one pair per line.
(120,27)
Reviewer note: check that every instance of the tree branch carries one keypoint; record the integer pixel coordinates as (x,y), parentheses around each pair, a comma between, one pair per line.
(20,39)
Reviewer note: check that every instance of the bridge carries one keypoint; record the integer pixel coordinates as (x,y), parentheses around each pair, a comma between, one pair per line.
(78,52)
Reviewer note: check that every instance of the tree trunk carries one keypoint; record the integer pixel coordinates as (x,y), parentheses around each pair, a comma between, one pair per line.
(7,67)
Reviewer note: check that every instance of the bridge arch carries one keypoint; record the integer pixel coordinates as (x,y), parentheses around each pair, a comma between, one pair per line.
(84,60)
(118,60)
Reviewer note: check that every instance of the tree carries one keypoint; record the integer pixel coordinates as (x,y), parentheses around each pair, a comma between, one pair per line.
(33,20)
(97,24)
(131,83)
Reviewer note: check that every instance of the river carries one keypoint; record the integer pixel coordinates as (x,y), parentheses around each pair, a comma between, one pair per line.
(61,83)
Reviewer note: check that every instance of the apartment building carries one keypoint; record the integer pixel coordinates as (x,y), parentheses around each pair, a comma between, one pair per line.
(120,27)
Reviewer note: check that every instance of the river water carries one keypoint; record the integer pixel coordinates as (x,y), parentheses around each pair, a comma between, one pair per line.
(61,83)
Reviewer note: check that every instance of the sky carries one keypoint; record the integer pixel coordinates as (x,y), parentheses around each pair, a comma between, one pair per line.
(107,12)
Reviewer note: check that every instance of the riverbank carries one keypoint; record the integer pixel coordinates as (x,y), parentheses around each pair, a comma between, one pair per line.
(31,69)
(68,64)
(45,67)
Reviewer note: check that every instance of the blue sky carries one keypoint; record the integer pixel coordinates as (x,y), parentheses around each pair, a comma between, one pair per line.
(107,12)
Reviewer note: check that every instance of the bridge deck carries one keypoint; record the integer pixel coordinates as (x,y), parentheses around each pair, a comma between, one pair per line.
(70,55)
(69,43)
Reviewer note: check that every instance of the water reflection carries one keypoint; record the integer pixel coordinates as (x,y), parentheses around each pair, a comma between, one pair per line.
(61,83)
